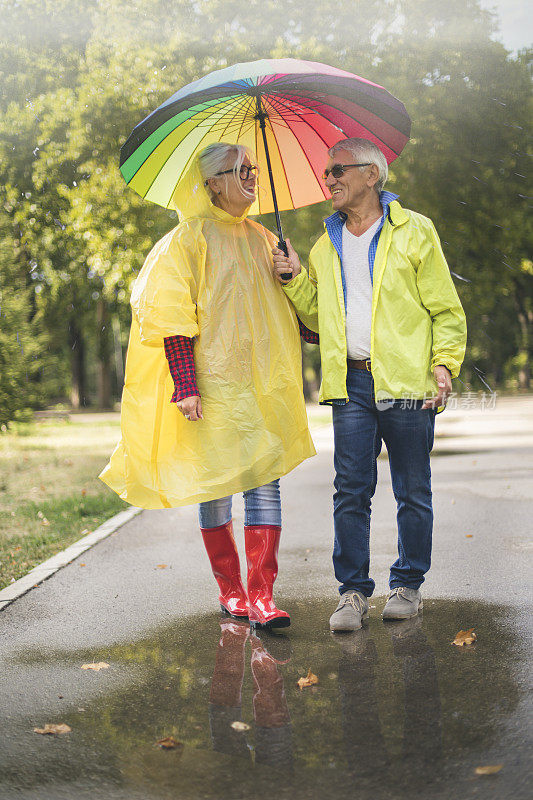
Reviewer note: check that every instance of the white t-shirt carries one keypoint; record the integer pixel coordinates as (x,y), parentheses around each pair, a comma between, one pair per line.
(358,290)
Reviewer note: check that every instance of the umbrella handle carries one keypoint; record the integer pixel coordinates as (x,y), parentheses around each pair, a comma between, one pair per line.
(282,245)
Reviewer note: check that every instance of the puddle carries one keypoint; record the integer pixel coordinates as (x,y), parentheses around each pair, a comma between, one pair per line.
(398,712)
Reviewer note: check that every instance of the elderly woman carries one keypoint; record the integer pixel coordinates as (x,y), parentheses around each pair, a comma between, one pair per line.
(212,401)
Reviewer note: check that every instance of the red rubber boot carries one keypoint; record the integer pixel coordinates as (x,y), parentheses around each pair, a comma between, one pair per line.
(262,545)
(220,546)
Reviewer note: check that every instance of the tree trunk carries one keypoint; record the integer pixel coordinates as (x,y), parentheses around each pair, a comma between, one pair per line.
(105,399)
(524,309)
(77,349)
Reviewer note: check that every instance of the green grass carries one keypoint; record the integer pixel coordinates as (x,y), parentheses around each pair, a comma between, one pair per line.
(50,494)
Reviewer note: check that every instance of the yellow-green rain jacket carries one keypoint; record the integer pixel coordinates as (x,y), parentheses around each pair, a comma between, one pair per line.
(210,278)
(417,318)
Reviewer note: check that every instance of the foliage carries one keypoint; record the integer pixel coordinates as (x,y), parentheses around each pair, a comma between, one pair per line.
(77,77)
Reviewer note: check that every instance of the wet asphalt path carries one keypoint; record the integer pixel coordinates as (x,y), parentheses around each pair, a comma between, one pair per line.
(398,711)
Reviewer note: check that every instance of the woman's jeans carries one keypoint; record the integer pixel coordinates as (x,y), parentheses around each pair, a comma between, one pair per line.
(262,506)
(359,429)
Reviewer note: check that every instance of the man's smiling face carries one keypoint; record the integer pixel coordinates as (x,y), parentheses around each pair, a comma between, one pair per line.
(348,190)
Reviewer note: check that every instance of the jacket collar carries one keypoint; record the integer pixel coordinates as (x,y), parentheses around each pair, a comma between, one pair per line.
(391,209)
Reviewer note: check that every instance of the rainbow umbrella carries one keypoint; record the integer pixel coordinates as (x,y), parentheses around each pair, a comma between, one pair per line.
(288,111)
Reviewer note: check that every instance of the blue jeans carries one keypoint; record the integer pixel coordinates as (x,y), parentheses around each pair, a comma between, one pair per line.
(359,429)
(262,506)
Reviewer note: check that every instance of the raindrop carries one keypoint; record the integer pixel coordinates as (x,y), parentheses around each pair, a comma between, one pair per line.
(480,375)
(460,277)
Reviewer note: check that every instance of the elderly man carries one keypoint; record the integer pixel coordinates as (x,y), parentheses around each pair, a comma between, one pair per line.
(392,336)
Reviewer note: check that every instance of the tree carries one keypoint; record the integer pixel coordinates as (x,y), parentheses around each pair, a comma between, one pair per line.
(77,77)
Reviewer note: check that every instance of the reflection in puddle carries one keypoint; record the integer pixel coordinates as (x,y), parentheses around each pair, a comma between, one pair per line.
(272,721)
(398,712)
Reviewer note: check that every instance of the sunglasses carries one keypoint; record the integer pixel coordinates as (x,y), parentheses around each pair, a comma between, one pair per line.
(338,170)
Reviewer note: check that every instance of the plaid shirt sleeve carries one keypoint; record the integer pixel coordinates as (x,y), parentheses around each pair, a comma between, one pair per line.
(307,335)
(179,353)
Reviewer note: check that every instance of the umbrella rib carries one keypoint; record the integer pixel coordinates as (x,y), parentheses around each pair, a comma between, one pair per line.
(281,160)
(196,150)
(388,146)
(302,119)
(165,162)
(320,185)
(250,101)
(202,111)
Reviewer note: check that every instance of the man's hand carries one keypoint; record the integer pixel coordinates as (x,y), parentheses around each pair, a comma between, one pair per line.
(191,408)
(444,384)
(284,264)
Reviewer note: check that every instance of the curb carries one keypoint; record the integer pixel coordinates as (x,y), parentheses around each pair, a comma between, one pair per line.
(43,571)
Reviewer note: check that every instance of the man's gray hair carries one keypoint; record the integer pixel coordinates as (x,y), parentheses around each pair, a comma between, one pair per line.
(215,157)
(364,150)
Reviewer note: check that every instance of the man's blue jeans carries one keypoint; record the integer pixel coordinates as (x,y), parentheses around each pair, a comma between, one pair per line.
(359,429)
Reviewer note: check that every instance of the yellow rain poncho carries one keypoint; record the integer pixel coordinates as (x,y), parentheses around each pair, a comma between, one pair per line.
(210,278)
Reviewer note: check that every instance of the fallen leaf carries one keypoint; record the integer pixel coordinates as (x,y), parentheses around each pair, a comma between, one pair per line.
(169,743)
(52,729)
(309,680)
(464,637)
(162,566)
(82,564)
(469,536)
(95,666)
(240,726)
(489,769)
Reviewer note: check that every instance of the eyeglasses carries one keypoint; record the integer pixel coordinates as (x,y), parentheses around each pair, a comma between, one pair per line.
(244,172)
(338,170)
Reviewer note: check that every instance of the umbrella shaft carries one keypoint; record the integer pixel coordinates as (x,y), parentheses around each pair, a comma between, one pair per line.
(262,116)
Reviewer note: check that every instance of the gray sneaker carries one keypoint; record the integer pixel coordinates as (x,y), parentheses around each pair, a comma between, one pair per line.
(352,609)
(403,603)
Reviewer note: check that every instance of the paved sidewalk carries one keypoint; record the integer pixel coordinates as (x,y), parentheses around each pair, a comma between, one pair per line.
(158,628)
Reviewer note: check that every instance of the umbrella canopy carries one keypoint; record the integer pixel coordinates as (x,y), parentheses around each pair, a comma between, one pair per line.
(288,111)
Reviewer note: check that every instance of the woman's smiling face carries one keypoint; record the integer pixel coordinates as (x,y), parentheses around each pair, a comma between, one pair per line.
(235,193)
